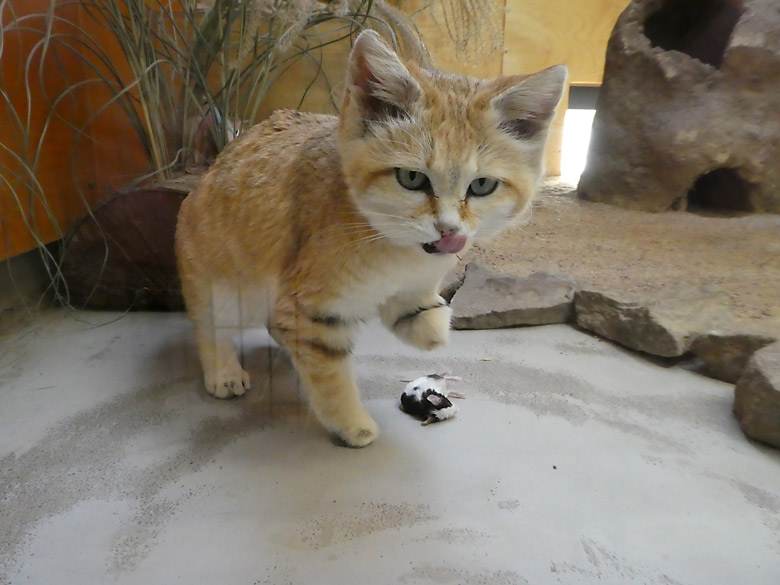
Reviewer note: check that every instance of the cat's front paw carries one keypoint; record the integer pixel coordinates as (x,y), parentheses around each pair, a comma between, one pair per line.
(229,381)
(426,328)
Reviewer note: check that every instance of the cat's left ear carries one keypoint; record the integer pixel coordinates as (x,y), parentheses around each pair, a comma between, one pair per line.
(526,108)
(378,83)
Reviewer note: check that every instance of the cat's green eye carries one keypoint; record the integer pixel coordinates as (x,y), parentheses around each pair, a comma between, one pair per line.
(412,180)
(482,187)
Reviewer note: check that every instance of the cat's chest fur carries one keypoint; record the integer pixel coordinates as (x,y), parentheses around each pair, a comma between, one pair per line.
(360,295)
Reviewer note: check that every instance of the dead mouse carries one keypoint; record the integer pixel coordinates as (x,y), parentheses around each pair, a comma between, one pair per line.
(428,398)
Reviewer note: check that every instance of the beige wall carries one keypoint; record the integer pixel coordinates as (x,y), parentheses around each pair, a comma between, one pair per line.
(541,33)
(537,34)
(323,86)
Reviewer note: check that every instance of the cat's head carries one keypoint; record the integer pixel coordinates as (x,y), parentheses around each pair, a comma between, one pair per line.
(435,160)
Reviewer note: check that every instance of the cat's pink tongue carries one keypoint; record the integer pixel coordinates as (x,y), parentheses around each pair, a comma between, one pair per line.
(451,244)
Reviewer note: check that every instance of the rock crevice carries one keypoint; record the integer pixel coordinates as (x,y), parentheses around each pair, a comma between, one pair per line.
(687,116)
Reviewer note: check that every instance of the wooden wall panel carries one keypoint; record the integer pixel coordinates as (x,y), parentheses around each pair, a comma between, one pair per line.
(74,169)
(541,33)
(323,87)
(442,47)
(307,86)
(16,211)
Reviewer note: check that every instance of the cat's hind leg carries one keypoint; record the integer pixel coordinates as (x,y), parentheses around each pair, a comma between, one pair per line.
(216,315)
(223,375)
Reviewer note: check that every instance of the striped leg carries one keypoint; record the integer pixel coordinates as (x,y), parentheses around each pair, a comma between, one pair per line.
(320,347)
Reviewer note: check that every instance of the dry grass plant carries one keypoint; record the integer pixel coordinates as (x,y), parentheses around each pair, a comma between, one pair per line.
(475,27)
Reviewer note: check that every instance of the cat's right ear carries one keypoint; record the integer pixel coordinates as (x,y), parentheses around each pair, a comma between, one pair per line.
(378,84)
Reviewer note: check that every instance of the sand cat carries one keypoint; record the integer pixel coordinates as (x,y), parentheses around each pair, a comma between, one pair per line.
(314,223)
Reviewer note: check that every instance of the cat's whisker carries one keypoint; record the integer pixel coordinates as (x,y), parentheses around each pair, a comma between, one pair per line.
(389,216)
(353,235)
(371,213)
(356,245)
(368,212)
(379,215)
(367,230)
(350,229)
(382,222)
(373,222)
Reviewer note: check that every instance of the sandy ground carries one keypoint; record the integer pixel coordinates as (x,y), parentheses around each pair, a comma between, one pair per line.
(637,252)
(570,462)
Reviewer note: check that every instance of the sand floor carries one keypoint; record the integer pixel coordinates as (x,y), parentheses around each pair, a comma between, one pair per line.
(636,252)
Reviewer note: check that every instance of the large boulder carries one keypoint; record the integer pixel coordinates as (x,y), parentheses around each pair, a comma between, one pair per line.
(688,116)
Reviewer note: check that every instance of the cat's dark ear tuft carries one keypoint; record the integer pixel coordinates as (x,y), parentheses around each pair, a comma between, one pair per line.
(380,85)
(526,108)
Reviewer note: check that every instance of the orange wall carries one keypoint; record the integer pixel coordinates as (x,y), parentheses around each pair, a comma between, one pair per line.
(103,157)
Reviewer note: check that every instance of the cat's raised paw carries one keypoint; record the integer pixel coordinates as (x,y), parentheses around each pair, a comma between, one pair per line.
(427,329)
(227,383)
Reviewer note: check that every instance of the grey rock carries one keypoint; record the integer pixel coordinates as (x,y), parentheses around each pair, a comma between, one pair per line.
(757,396)
(490,300)
(726,354)
(557,187)
(687,116)
(450,285)
(663,325)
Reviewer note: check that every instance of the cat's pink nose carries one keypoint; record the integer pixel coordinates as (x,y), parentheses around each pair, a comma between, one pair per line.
(446,229)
